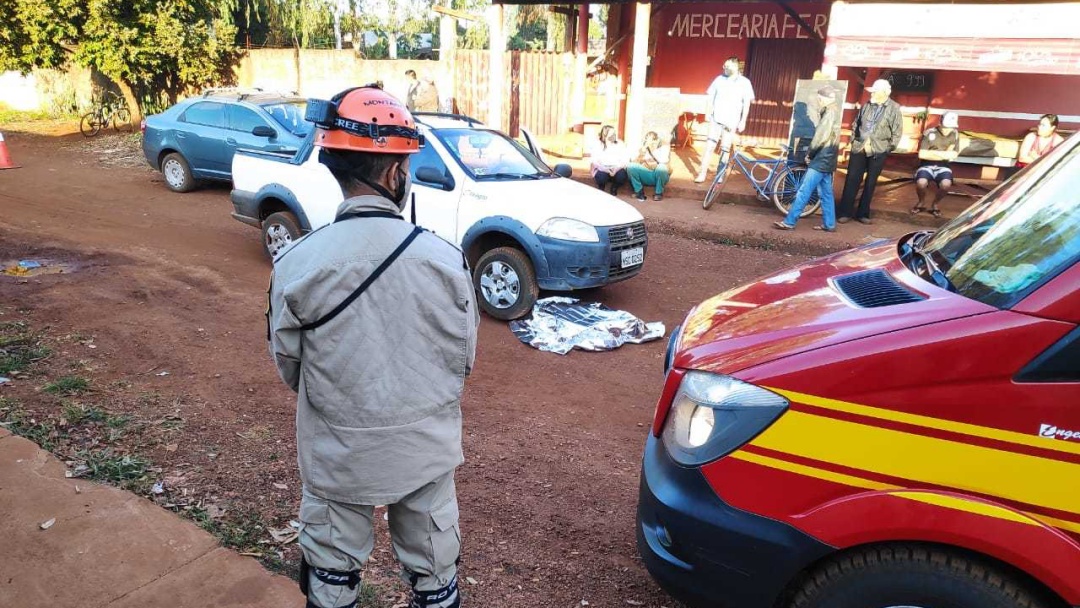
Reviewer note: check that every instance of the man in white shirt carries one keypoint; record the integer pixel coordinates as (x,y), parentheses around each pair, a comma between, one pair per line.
(727,105)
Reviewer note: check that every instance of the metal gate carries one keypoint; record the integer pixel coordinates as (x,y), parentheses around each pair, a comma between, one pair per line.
(774,68)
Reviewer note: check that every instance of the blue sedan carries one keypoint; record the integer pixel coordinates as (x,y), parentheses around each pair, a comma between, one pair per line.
(195,139)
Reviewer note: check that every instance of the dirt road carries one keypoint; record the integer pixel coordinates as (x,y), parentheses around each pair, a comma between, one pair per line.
(170,283)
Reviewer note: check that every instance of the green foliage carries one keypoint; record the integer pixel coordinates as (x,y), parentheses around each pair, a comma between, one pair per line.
(19,347)
(23,424)
(76,413)
(284,23)
(68,385)
(152,48)
(126,471)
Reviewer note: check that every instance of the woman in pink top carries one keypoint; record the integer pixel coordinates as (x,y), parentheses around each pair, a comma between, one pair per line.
(1044,139)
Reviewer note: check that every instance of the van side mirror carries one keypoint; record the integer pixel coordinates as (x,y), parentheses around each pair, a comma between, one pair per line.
(563,170)
(432,176)
(264,131)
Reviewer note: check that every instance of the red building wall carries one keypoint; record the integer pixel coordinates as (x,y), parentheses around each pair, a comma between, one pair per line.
(690,41)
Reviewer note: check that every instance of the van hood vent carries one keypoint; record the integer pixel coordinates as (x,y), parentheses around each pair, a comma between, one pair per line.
(874,289)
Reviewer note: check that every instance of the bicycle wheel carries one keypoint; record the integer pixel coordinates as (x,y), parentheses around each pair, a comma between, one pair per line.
(90,125)
(786,186)
(122,120)
(718,184)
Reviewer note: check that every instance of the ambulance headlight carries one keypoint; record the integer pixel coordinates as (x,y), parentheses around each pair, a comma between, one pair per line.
(713,415)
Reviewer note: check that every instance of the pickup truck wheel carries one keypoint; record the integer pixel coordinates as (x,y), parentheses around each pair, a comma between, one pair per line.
(911,576)
(506,282)
(177,173)
(279,230)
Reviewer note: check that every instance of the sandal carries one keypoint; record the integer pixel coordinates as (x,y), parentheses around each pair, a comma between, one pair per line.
(782,226)
(935,212)
(917,209)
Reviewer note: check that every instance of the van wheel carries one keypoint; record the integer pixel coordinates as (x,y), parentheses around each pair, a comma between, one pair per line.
(911,576)
(177,173)
(279,230)
(506,282)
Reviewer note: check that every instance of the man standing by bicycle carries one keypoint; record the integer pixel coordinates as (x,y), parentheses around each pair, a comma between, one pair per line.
(821,164)
(727,105)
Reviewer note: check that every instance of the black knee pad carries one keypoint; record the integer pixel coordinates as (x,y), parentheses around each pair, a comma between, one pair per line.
(350,579)
(424,599)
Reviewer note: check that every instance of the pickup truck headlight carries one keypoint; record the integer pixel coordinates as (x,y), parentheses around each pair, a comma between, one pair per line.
(713,415)
(567,229)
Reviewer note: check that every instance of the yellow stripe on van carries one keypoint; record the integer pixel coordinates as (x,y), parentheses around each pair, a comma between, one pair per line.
(791,467)
(1032,440)
(970,506)
(940,500)
(964,467)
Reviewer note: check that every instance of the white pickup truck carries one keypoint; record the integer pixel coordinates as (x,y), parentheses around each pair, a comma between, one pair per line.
(523,226)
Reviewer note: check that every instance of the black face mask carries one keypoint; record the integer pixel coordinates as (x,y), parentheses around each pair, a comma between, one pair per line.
(404,188)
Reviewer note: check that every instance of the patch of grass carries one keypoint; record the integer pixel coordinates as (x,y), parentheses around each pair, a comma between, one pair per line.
(77,413)
(68,385)
(118,421)
(244,530)
(9,114)
(369,597)
(19,347)
(22,423)
(126,471)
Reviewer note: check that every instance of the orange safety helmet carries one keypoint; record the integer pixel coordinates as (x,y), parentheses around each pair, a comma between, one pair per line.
(364,119)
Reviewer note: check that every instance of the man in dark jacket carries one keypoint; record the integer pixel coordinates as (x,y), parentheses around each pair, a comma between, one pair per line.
(875,133)
(821,161)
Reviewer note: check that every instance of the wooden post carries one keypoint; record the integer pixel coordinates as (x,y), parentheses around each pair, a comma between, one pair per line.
(583,29)
(635,103)
(495,79)
(448,60)
(581,66)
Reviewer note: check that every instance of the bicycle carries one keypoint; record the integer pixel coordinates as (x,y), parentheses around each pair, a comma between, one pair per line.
(780,184)
(110,108)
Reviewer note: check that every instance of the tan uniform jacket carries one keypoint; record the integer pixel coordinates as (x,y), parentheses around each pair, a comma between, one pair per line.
(379,386)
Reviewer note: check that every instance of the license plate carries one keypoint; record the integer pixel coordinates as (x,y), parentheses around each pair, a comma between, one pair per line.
(633,257)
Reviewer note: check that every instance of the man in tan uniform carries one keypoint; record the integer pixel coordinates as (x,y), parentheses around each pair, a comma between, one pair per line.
(373,322)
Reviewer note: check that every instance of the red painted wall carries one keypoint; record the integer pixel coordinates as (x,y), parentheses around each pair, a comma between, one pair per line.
(691,41)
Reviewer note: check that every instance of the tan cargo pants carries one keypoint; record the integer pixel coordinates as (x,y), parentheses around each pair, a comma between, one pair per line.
(423,528)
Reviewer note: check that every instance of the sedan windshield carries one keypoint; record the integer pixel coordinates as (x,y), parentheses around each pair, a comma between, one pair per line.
(1018,237)
(291,116)
(490,155)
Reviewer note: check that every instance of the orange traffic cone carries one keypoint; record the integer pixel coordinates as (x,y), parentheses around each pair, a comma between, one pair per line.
(5,158)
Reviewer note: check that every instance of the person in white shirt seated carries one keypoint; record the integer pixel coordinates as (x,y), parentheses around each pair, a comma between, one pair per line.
(609,160)
(651,168)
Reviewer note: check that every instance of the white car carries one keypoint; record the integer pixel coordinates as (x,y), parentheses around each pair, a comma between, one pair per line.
(523,226)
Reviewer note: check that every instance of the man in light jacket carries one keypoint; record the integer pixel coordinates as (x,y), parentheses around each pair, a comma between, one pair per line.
(820,165)
(875,133)
(373,322)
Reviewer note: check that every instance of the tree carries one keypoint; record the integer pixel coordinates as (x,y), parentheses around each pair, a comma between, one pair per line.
(398,22)
(153,51)
(285,23)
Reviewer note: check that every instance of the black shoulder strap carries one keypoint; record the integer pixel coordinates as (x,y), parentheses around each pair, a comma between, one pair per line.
(356,214)
(371,278)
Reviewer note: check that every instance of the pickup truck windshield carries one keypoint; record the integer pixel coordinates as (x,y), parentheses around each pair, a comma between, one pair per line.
(1019,236)
(489,155)
(291,116)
